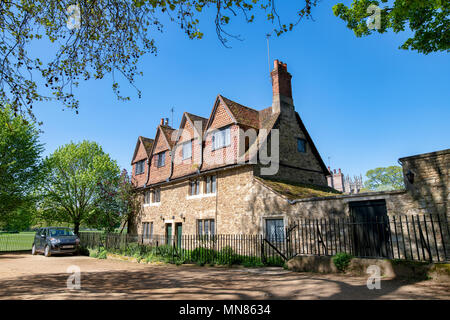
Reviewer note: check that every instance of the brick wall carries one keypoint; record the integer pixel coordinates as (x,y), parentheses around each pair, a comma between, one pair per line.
(140,179)
(162,173)
(187,166)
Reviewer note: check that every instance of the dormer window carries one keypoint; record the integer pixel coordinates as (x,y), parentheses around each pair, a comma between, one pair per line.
(187,150)
(161,159)
(301,145)
(221,138)
(139,167)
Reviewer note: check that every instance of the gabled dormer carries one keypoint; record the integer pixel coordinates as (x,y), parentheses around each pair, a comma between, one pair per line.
(188,149)
(161,158)
(140,159)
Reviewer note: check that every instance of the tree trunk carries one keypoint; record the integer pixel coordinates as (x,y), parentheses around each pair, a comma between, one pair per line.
(76,227)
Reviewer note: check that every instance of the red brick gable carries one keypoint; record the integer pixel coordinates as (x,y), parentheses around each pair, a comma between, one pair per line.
(221,115)
(143,149)
(141,152)
(187,133)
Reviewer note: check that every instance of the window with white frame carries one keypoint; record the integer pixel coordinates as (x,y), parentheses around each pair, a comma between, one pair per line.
(221,138)
(139,167)
(187,150)
(211,184)
(194,187)
(206,227)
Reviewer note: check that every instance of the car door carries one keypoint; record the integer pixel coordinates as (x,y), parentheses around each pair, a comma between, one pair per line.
(37,239)
(42,239)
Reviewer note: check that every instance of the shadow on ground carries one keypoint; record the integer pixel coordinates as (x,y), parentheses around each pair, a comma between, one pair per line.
(171,282)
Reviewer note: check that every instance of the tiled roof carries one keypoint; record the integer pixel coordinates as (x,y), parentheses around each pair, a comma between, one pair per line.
(148,144)
(243,115)
(295,190)
(194,118)
(168,131)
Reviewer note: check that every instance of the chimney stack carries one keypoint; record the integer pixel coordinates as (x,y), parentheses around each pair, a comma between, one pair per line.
(282,91)
(162,122)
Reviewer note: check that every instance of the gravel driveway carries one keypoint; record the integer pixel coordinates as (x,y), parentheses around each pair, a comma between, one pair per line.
(23,276)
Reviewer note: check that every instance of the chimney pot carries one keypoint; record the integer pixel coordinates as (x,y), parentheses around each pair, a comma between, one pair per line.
(162,121)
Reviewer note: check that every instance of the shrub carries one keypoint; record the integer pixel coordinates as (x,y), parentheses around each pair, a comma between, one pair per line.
(93,253)
(342,260)
(204,255)
(102,253)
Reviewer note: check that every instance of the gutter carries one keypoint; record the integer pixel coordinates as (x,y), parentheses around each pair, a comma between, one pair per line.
(197,174)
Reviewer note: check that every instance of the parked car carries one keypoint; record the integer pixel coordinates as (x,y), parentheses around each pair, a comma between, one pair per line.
(54,240)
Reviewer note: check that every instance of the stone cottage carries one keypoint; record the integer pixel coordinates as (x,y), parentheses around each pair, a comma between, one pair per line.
(248,171)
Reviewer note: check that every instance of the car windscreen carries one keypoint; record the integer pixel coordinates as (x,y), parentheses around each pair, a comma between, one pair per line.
(60,232)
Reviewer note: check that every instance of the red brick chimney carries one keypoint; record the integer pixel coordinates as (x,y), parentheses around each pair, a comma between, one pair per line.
(281,80)
(281,88)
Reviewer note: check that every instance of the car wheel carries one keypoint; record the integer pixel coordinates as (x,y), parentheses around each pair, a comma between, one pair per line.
(47,252)
(33,250)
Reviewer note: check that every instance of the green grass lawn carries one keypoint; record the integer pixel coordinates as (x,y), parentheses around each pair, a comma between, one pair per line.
(16,241)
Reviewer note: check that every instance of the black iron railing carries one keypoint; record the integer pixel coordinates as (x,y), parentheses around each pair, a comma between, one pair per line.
(413,237)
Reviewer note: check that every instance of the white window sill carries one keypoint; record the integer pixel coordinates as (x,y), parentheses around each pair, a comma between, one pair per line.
(202,195)
(154,204)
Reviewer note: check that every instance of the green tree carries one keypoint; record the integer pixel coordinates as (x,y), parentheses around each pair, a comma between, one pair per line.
(92,38)
(20,219)
(120,201)
(427,19)
(20,163)
(71,191)
(385,178)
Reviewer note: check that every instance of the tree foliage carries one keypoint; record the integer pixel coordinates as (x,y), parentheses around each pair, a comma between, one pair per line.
(110,38)
(20,162)
(385,178)
(119,203)
(427,19)
(71,190)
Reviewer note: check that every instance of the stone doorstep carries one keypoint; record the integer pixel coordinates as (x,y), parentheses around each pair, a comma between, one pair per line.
(388,268)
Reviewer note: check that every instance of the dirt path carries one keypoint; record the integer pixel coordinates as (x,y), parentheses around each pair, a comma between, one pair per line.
(23,276)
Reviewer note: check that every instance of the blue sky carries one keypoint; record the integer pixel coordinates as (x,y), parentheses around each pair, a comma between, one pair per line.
(364,102)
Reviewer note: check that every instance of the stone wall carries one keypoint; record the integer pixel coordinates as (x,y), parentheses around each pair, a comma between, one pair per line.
(427,179)
(225,206)
(242,203)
